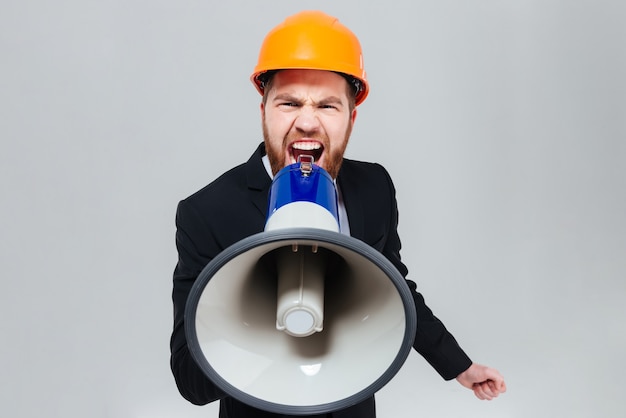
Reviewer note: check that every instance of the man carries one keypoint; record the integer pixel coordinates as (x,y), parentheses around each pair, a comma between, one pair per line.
(310,73)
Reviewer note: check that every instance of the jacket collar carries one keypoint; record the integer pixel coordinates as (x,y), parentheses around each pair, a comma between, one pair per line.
(353,199)
(257,179)
(259,184)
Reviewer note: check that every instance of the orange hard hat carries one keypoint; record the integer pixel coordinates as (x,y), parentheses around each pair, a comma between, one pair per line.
(312,40)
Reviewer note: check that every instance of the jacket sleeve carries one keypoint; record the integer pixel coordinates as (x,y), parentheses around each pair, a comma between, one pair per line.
(196,247)
(432,340)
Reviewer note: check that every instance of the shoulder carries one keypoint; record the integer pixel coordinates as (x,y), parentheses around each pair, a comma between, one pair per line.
(365,173)
(233,178)
(363,167)
(211,202)
(235,183)
(357,165)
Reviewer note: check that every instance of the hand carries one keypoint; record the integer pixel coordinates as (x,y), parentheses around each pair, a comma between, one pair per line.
(487,383)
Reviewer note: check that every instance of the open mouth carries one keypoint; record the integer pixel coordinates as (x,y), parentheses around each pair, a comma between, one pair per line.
(308,148)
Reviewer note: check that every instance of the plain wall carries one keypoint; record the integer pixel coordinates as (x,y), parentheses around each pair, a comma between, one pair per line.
(503,124)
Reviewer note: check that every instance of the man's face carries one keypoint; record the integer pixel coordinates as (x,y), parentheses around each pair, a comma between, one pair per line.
(307,112)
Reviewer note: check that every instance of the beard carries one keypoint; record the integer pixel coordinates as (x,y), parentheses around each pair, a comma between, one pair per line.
(333,157)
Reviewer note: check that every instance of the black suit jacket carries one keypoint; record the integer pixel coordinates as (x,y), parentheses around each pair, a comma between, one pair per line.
(233,207)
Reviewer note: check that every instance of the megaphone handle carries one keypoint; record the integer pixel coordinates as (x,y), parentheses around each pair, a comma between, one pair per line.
(300,301)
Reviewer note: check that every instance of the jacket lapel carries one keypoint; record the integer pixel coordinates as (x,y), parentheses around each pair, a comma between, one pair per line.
(352,199)
(257,180)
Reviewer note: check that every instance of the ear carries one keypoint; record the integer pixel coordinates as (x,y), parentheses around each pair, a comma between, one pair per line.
(353,116)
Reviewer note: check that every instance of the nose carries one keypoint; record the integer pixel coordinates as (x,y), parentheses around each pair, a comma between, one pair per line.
(307,120)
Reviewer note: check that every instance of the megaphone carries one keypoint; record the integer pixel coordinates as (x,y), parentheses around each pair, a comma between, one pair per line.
(300,319)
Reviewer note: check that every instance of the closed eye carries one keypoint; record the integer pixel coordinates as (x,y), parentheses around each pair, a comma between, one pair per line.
(331,103)
(289,104)
(286,100)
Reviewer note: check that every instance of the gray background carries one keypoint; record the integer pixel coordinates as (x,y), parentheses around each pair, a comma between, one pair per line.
(503,124)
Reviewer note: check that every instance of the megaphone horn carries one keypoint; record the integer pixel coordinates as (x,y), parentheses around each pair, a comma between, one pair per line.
(300,319)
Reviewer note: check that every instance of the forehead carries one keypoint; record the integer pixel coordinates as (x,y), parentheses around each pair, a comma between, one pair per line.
(312,81)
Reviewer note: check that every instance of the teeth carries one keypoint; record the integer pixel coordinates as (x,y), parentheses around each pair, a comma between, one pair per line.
(306,146)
